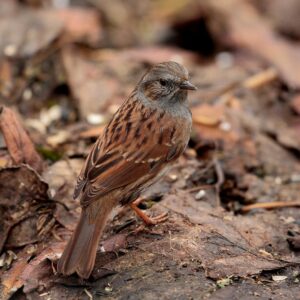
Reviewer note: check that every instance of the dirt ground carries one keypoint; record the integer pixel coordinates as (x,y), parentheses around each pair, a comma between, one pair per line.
(233,227)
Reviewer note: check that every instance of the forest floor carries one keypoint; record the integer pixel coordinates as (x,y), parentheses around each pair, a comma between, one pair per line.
(233,227)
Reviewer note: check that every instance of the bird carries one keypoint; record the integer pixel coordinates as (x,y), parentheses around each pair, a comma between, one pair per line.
(148,132)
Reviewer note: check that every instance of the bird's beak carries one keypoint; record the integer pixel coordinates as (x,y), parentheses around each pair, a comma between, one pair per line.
(186,85)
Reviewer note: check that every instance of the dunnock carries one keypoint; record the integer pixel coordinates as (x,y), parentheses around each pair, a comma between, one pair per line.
(148,132)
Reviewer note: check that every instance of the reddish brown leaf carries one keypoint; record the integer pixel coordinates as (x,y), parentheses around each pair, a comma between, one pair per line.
(229,245)
(88,84)
(208,115)
(19,144)
(30,273)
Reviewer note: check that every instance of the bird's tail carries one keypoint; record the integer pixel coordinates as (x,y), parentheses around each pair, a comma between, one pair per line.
(80,253)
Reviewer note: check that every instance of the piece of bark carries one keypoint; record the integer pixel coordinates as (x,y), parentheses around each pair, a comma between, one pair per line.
(19,144)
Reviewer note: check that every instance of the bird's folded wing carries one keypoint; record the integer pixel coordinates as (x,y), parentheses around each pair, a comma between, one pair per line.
(124,168)
(124,155)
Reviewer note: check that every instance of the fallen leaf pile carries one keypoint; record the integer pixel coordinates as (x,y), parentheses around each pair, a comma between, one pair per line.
(232,199)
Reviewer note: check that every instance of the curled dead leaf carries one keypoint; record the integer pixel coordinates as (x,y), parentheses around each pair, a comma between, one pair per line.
(208,115)
(29,271)
(19,144)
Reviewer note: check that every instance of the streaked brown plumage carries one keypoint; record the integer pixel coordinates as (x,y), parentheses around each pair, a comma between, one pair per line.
(148,132)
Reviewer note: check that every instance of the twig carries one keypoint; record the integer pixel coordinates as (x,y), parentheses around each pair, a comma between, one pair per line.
(220,181)
(88,294)
(269,205)
(260,79)
(200,187)
(253,82)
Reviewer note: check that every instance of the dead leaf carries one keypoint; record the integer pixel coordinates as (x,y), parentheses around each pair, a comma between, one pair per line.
(93,132)
(208,115)
(26,214)
(19,144)
(11,281)
(91,89)
(114,243)
(61,177)
(6,77)
(228,247)
(30,273)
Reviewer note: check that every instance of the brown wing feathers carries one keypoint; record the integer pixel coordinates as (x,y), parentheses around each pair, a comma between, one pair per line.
(118,163)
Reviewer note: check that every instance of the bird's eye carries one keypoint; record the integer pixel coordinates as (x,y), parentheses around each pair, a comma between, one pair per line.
(163,82)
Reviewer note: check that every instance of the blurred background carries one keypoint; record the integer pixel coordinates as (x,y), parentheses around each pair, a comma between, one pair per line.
(67,65)
(82,58)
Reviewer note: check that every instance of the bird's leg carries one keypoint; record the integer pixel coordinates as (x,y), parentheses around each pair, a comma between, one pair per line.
(147,220)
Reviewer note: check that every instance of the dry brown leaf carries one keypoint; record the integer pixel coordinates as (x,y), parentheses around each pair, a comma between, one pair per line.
(26,214)
(208,115)
(19,144)
(11,281)
(228,246)
(61,178)
(30,273)
(90,87)
(93,132)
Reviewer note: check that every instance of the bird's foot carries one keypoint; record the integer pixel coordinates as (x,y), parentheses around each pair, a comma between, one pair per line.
(147,220)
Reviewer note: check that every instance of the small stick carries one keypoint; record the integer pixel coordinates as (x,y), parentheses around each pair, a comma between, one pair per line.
(88,294)
(220,176)
(200,187)
(253,82)
(260,79)
(269,205)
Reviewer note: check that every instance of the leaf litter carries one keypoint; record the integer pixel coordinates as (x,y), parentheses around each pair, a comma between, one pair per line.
(232,198)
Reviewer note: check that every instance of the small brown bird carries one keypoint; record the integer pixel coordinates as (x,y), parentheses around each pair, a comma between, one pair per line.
(148,132)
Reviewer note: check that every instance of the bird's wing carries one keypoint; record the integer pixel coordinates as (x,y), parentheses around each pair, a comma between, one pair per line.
(123,156)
